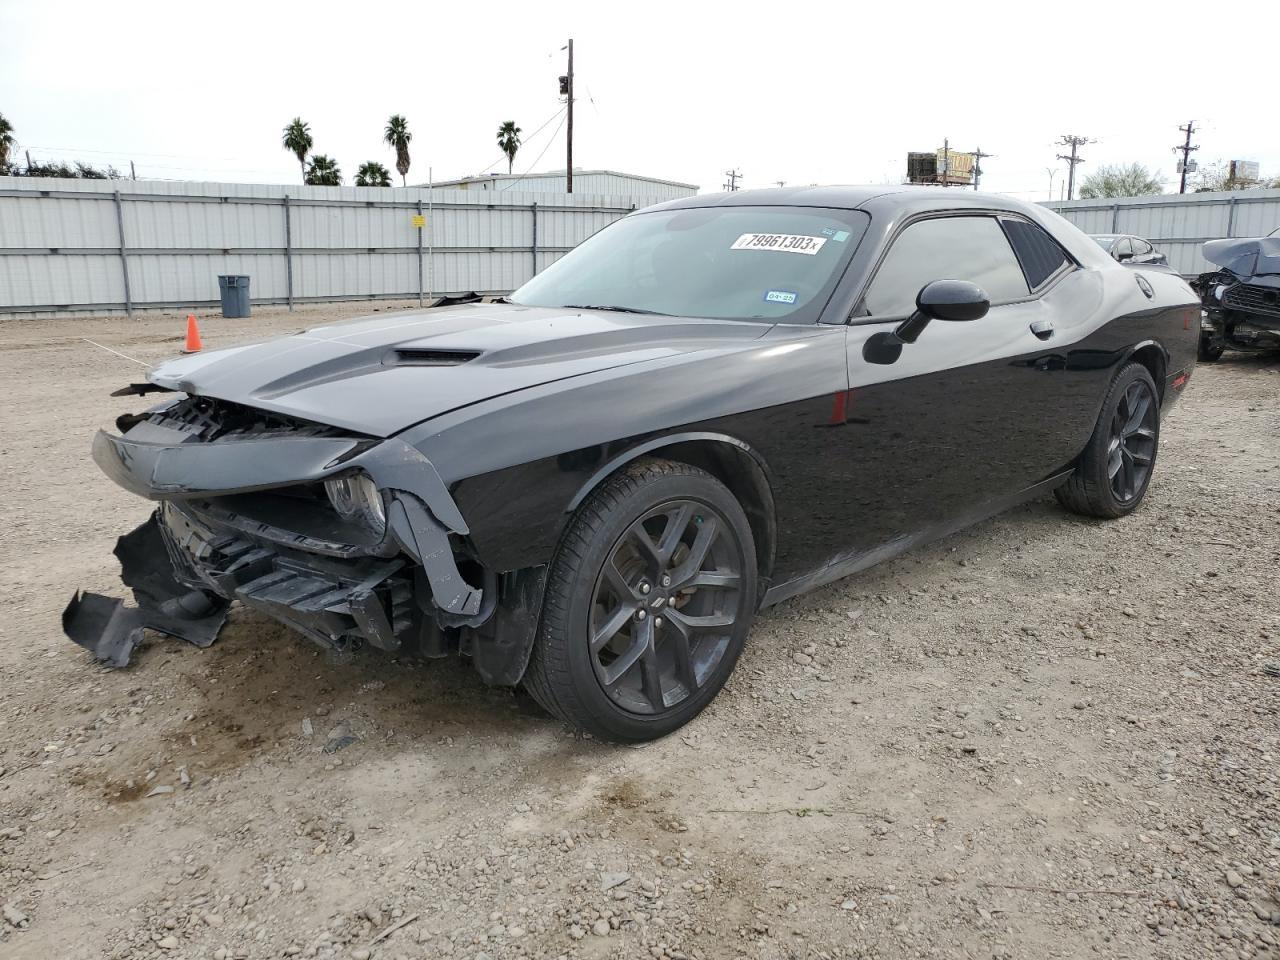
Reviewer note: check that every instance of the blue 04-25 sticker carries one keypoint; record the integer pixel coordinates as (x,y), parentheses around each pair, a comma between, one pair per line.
(780,296)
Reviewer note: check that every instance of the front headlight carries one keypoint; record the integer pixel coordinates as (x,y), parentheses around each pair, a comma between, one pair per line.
(356,497)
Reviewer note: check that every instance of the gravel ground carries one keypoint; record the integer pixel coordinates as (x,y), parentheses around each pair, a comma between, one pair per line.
(1043,737)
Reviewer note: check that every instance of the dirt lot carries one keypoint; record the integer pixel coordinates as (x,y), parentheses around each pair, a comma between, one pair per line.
(1043,737)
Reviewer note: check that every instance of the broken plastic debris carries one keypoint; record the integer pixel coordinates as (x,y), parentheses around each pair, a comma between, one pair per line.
(111,631)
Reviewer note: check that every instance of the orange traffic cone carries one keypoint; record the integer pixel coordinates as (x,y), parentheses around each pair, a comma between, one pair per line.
(193,336)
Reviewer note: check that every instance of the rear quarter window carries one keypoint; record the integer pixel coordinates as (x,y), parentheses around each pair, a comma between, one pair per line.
(1038,253)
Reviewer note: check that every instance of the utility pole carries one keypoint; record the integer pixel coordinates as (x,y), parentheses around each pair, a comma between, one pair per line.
(133,173)
(1186,149)
(1053,172)
(1074,142)
(978,157)
(566,90)
(734,176)
(946,160)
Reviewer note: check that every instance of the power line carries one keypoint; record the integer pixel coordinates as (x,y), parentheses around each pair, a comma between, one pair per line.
(535,162)
(524,143)
(1186,149)
(1074,142)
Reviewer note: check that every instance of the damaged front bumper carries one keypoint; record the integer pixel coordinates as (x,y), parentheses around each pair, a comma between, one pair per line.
(1241,311)
(234,523)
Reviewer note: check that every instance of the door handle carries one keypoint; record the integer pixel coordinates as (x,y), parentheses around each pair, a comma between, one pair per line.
(1042,328)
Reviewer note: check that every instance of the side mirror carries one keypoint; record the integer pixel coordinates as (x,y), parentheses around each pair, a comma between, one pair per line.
(950,300)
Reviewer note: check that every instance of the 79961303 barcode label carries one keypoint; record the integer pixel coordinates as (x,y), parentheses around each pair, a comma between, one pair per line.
(779,242)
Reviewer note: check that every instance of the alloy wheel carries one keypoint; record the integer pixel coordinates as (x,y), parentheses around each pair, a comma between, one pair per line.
(664,606)
(1132,447)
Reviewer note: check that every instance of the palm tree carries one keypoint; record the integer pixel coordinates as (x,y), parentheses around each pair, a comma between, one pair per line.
(397,136)
(1133,180)
(6,142)
(323,172)
(373,174)
(509,141)
(297,139)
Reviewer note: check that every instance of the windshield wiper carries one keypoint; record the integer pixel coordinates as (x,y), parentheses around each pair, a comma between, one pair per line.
(614,309)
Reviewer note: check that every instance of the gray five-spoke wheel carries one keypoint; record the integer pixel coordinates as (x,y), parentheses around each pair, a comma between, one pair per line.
(664,606)
(1132,447)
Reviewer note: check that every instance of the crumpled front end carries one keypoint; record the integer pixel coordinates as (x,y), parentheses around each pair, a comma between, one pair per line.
(348,539)
(1241,299)
(1240,311)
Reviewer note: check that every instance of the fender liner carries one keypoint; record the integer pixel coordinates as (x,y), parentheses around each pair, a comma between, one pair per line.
(501,650)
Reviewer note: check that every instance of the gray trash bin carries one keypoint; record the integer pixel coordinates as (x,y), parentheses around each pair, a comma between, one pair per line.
(235,295)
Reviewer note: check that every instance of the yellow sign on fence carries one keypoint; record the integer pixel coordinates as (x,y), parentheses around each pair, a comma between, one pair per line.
(419,220)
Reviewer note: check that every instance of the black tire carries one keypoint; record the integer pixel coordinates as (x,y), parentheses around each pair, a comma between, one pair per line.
(1112,475)
(1207,351)
(688,653)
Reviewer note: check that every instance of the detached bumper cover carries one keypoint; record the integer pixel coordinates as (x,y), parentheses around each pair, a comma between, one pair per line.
(185,566)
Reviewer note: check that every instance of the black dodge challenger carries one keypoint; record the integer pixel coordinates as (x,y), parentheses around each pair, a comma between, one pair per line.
(590,487)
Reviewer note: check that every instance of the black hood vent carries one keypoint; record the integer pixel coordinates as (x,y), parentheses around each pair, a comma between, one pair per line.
(411,357)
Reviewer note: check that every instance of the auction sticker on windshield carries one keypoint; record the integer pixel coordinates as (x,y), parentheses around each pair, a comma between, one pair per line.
(779,242)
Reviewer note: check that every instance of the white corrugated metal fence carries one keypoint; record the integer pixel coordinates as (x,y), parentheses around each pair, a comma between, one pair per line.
(105,246)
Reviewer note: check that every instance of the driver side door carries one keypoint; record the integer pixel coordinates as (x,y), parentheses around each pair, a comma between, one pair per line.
(971,412)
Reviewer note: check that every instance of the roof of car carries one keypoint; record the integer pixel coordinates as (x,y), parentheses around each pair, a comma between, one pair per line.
(814,196)
(850,198)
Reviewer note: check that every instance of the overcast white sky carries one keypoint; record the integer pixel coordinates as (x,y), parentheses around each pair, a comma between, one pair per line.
(799,92)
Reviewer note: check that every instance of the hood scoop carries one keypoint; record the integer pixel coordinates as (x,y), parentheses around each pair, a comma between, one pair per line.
(420,357)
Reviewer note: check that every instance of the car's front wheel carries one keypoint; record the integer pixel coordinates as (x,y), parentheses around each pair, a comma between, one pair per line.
(648,603)
(1111,477)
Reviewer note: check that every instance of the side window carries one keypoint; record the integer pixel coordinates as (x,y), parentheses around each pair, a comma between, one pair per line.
(1121,248)
(1141,248)
(944,248)
(1039,253)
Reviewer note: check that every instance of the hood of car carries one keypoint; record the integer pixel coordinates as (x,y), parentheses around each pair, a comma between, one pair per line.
(379,375)
(1259,256)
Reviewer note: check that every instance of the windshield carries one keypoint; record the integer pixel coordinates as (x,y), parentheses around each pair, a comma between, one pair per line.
(729,263)
(1104,242)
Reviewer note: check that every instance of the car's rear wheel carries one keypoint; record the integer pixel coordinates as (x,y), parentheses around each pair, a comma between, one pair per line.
(648,603)
(1113,473)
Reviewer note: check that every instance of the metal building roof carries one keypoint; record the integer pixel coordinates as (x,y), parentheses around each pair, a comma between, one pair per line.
(558,176)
